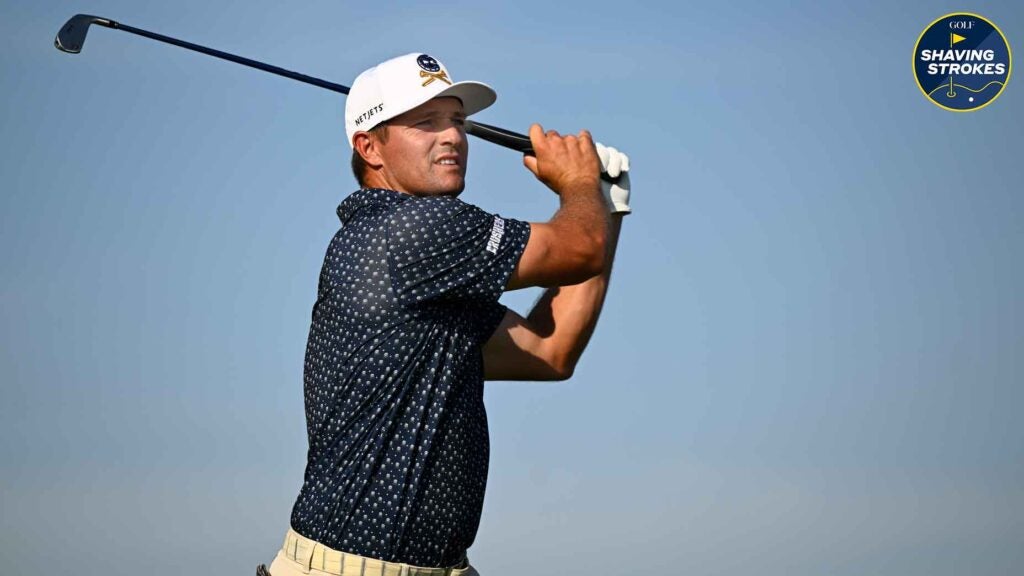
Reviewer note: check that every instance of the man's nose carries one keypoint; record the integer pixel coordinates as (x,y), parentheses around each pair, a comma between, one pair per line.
(453,133)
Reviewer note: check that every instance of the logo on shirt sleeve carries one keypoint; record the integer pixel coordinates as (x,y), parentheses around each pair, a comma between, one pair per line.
(497,231)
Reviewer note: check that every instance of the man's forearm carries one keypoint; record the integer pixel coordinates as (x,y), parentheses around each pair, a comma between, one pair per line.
(565,316)
(585,210)
(583,220)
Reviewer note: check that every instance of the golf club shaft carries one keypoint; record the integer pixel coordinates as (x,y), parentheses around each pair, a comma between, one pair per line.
(230,57)
(500,136)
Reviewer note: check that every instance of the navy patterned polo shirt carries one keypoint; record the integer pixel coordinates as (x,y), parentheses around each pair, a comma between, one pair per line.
(398,445)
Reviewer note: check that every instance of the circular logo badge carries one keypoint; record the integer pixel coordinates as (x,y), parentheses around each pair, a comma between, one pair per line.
(962,62)
(428,63)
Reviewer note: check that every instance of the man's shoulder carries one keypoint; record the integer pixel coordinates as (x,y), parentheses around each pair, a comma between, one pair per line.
(369,201)
(427,210)
(433,203)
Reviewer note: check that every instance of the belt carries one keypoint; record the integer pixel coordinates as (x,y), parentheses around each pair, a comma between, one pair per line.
(311,554)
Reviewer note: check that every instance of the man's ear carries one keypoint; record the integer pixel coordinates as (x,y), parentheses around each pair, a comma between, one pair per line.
(368,147)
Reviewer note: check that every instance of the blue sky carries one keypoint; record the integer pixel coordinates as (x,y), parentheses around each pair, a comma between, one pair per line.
(810,358)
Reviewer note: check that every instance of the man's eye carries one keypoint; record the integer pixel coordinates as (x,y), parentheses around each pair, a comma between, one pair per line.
(459,121)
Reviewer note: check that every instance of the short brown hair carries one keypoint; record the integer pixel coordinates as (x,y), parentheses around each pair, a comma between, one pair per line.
(358,165)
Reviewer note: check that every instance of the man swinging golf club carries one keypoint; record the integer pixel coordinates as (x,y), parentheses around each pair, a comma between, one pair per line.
(407,324)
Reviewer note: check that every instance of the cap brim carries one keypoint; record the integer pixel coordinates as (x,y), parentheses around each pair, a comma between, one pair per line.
(475,96)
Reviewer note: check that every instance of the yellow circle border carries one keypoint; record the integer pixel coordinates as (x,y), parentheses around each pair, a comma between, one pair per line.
(1009,53)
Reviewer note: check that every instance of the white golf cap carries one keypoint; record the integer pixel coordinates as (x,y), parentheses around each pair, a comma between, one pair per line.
(403,83)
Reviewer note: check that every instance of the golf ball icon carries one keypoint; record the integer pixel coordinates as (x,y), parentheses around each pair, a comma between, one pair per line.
(428,63)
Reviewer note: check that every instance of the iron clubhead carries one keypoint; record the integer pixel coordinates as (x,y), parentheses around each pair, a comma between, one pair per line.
(71,36)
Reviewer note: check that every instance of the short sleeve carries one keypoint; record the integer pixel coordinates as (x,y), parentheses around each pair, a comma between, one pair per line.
(443,249)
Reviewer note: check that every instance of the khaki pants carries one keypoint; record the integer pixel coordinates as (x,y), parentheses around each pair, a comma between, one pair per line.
(301,556)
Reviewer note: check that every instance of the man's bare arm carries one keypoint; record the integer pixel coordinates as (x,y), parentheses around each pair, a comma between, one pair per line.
(571,246)
(547,344)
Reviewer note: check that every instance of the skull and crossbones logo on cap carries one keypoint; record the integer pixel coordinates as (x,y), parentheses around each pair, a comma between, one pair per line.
(431,70)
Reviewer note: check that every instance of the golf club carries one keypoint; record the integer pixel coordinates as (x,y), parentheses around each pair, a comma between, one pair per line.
(71,38)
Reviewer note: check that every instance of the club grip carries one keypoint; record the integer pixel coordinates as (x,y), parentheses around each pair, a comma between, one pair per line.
(509,139)
(500,136)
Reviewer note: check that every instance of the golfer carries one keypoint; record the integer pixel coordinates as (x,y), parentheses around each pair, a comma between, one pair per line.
(407,324)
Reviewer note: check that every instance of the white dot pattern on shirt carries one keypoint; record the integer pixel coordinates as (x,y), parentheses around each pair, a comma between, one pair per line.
(398,446)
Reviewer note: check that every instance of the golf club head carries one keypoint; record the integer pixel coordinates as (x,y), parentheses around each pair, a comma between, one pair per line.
(71,36)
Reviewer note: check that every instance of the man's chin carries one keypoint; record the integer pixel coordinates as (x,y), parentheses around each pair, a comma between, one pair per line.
(452,189)
(458,190)
(450,185)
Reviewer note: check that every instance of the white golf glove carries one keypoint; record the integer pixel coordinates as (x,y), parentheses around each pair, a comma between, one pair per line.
(616,165)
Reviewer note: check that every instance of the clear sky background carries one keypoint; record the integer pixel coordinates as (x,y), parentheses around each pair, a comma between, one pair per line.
(810,361)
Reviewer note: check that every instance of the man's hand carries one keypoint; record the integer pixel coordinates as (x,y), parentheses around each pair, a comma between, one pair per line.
(566,164)
(616,165)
